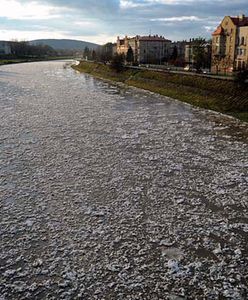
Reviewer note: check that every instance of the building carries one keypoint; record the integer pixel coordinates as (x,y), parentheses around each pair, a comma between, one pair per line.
(180,48)
(114,49)
(230,45)
(146,49)
(190,53)
(107,51)
(177,53)
(5,48)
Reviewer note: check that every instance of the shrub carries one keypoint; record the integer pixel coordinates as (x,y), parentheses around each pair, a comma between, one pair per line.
(117,62)
(241,77)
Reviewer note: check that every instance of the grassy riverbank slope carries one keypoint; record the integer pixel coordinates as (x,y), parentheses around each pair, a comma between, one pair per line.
(223,96)
(8,61)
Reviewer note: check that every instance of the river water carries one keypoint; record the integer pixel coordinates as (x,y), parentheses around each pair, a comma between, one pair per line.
(109,192)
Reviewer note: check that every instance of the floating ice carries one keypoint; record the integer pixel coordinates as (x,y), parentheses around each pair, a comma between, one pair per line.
(109,192)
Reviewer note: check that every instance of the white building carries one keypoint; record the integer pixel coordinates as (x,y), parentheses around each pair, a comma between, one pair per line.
(146,49)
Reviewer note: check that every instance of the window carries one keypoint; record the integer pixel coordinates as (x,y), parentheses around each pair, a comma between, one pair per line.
(242,40)
(241,51)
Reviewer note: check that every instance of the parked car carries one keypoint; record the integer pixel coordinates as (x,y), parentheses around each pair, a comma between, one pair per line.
(189,69)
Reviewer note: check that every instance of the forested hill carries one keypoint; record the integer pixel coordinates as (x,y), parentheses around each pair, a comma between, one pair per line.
(65,44)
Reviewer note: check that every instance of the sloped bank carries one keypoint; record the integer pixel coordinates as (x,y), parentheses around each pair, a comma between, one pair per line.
(9,61)
(219,95)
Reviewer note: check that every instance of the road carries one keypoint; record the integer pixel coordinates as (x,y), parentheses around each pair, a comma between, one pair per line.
(110,192)
(190,73)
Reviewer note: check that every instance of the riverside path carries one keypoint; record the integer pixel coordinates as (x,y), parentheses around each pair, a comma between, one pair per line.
(109,192)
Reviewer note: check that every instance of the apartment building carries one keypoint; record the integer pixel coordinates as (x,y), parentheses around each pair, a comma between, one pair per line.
(190,50)
(146,49)
(230,45)
(180,47)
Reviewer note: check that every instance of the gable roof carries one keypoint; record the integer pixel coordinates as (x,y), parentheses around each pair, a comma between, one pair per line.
(240,21)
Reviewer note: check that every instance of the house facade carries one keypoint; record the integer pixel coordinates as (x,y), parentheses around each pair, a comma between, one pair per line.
(146,49)
(190,53)
(230,45)
(180,47)
(5,48)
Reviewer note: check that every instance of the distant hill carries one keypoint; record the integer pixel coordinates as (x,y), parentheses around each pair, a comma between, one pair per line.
(65,44)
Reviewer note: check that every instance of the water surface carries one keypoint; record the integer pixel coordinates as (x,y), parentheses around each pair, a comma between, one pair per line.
(113,193)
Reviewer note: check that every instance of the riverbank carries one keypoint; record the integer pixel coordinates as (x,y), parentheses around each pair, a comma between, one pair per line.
(222,96)
(9,61)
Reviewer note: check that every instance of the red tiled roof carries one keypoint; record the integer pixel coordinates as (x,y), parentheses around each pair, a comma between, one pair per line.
(240,21)
(218,31)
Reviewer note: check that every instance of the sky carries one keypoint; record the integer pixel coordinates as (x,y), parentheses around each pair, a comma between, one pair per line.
(101,21)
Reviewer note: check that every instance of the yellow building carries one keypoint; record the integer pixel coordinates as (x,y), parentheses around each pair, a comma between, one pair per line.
(229,45)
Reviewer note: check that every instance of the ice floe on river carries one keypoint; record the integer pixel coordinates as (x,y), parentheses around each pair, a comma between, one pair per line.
(114,193)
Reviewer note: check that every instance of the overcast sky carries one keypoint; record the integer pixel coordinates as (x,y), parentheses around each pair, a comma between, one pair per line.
(101,21)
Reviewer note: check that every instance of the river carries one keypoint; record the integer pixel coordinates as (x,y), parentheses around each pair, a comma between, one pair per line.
(110,192)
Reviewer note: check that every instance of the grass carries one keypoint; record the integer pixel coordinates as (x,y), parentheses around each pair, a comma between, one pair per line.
(219,95)
(10,61)
(240,115)
(30,59)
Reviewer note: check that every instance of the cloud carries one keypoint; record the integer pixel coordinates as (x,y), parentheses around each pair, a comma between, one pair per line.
(125,4)
(177,19)
(210,29)
(12,9)
(25,35)
(31,35)
(92,8)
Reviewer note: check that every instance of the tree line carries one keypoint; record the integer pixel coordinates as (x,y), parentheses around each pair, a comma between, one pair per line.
(25,49)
